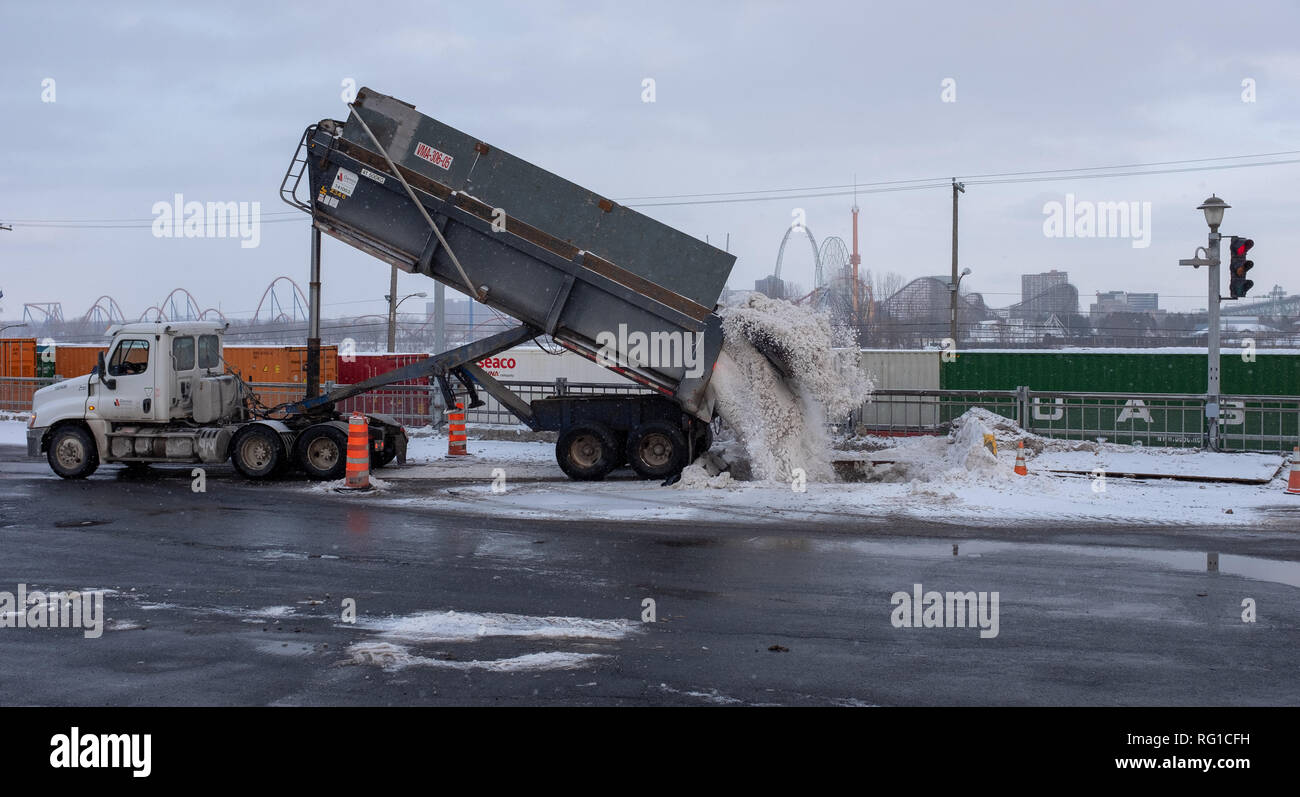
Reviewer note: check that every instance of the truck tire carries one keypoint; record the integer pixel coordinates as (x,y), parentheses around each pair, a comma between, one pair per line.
(587,451)
(379,459)
(705,441)
(256,452)
(322,451)
(72,452)
(656,450)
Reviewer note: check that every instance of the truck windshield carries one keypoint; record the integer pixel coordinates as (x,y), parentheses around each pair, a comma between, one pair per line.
(130,357)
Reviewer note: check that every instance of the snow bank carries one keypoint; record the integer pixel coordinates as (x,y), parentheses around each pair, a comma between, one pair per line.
(697,477)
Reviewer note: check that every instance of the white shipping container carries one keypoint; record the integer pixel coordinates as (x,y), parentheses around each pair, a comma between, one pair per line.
(532,364)
(899,369)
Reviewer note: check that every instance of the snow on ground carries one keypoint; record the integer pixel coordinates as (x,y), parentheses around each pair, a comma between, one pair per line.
(953,479)
(452,626)
(433,448)
(1118,460)
(387,650)
(1014,500)
(13,432)
(392,658)
(931,478)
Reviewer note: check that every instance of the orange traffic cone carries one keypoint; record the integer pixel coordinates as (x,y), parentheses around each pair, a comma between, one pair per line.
(1021,470)
(357,472)
(456,432)
(1293,482)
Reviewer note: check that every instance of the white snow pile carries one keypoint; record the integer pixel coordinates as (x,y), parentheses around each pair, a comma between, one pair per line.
(968,448)
(696,476)
(782,422)
(963,457)
(341,486)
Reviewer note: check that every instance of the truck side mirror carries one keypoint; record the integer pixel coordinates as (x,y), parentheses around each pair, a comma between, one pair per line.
(109,383)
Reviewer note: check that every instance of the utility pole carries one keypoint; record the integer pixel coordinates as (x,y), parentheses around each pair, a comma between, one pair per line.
(392,311)
(313,316)
(956,280)
(855,260)
(439,317)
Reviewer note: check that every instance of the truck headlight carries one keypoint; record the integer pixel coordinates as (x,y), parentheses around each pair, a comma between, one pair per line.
(31,424)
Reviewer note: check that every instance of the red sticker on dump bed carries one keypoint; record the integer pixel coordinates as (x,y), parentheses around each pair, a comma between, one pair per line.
(440,159)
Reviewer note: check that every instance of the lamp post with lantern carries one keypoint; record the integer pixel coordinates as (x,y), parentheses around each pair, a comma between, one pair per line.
(1209,257)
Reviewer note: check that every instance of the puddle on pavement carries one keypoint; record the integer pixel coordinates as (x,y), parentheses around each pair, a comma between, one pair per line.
(1253,567)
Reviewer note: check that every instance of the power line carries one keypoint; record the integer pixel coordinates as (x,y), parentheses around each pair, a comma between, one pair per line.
(946,180)
(809,192)
(947,183)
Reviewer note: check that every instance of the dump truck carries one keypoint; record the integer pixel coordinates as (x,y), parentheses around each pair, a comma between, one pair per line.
(597,278)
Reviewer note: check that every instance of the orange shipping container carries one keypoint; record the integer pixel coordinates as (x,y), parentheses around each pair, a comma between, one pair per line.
(285,364)
(72,359)
(329,363)
(240,360)
(18,357)
(253,363)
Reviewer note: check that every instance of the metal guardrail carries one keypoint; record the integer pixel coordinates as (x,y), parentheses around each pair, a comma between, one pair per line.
(16,391)
(1248,423)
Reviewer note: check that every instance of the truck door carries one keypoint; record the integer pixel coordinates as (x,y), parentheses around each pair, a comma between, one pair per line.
(180,397)
(130,363)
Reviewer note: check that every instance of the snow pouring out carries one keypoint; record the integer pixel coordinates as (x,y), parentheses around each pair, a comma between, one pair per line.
(782,421)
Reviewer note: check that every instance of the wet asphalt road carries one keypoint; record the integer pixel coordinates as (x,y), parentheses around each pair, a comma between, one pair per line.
(234,596)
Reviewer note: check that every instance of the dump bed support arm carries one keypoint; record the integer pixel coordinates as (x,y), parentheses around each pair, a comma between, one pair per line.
(437,365)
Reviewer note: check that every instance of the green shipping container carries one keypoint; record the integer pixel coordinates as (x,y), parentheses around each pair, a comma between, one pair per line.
(1139,372)
(1150,423)
(44,362)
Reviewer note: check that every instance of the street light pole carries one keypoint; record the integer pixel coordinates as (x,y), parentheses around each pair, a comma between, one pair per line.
(1213,209)
(956,279)
(393,304)
(1212,344)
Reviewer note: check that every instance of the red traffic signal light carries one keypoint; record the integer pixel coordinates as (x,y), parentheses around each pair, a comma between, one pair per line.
(1238,285)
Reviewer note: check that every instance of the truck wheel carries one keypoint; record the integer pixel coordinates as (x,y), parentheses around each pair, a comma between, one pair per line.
(656,450)
(586,451)
(72,453)
(321,452)
(256,452)
(379,459)
(705,441)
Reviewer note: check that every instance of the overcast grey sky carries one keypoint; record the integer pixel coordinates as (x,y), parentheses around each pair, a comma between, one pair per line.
(209,101)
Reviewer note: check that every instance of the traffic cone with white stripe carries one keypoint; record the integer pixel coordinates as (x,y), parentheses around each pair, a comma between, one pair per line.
(456,440)
(1021,470)
(1293,481)
(357,472)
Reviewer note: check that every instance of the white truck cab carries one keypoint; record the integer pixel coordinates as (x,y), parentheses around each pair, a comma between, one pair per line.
(162,394)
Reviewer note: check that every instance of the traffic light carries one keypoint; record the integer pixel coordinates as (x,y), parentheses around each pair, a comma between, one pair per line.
(1238,285)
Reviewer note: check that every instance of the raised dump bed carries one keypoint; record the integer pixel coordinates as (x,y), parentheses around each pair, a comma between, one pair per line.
(559,258)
